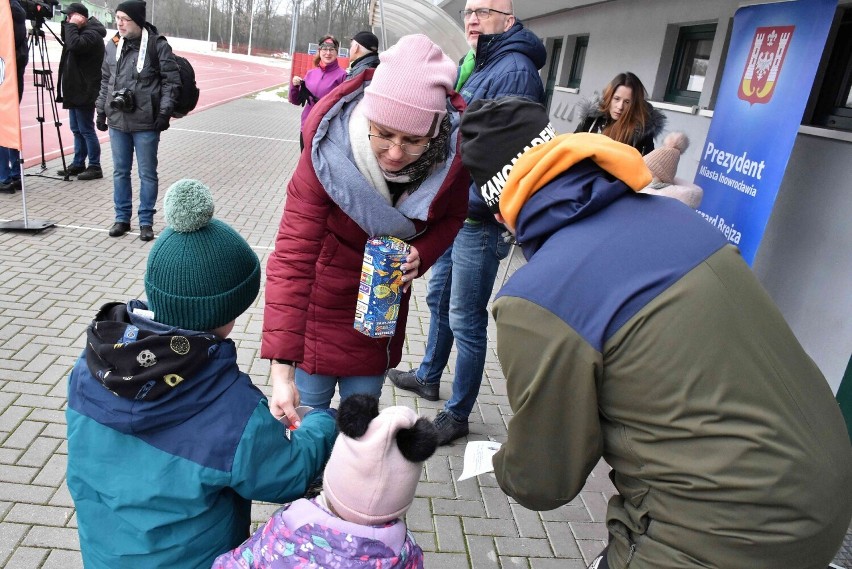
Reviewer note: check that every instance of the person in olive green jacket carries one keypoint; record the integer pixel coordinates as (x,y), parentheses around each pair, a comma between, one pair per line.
(636,333)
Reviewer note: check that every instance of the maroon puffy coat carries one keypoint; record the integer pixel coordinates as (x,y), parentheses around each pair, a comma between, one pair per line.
(314,272)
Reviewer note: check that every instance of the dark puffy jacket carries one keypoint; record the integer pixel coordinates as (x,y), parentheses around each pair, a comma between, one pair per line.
(80,64)
(363,63)
(593,119)
(314,273)
(507,65)
(19,24)
(155,91)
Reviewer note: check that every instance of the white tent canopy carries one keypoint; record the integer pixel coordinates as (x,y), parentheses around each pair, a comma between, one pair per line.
(404,17)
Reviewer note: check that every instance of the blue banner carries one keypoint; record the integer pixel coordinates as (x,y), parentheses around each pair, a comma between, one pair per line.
(772,59)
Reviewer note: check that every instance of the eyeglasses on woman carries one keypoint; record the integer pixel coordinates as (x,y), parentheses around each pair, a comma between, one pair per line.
(381,143)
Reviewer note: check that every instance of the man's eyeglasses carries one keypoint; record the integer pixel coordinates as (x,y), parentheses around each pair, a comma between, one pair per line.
(123,19)
(382,143)
(327,48)
(481,13)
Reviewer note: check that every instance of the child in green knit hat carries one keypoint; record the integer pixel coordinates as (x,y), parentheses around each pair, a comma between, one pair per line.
(168,441)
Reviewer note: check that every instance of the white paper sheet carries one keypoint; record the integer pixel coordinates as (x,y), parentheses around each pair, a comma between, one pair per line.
(477,458)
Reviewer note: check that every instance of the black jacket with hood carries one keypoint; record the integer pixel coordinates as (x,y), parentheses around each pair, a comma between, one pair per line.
(19,25)
(80,64)
(363,63)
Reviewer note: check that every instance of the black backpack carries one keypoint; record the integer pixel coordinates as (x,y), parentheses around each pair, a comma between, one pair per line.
(189,92)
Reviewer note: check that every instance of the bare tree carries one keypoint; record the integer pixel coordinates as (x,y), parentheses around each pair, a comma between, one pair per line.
(272,18)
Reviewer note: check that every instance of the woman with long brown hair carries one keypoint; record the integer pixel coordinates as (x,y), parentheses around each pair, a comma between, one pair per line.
(623,114)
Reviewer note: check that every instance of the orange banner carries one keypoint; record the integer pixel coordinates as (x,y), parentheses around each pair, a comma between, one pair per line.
(10,117)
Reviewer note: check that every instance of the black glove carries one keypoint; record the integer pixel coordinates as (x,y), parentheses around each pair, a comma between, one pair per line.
(101,122)
(161,123)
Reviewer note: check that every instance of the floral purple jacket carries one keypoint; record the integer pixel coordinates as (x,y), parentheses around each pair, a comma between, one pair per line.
(304,535)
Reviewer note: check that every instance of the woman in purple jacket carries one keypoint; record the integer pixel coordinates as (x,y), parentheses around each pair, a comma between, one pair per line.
(319,81)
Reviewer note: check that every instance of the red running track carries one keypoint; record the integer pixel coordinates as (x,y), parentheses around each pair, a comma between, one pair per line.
(221,79)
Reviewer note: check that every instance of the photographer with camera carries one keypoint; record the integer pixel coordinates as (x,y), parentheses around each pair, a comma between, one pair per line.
(10,168)
(140,83)
(79,85)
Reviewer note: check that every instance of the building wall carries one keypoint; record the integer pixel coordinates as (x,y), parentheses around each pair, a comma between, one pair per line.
(805,258)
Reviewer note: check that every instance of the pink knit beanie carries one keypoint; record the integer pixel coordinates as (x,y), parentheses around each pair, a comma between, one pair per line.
(376,462)
(409,89)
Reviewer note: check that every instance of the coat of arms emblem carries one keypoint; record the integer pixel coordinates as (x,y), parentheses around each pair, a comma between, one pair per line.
(768,49)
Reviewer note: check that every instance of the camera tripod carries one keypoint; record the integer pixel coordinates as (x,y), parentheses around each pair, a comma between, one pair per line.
(43,82)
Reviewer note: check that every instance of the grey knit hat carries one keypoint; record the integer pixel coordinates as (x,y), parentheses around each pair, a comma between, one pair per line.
(201,273)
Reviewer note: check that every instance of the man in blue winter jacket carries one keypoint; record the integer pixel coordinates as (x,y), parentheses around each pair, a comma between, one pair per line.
(504,61)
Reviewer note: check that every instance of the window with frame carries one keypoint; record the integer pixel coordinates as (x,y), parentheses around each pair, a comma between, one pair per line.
(689,67)
(834,104)
(578,61)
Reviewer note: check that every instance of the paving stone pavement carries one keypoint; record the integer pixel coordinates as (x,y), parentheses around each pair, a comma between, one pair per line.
(51,284)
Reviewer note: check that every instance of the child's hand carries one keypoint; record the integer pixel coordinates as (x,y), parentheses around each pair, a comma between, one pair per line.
(285,396)
(411,268)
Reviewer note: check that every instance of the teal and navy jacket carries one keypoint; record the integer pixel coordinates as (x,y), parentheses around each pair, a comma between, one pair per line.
(636,333)
(169,442)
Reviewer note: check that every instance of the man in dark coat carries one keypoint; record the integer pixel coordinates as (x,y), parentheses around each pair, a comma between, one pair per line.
(79,84)
(10,168)
(363,53)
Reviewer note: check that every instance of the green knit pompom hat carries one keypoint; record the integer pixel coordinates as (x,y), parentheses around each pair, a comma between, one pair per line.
(201,273)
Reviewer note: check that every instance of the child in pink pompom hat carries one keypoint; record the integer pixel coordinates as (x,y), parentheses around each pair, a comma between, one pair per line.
(369,484)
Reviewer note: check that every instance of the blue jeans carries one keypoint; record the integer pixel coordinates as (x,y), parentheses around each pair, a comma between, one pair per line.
(317,390)
(458,294)
(123,144)
(86,143)
(10,169)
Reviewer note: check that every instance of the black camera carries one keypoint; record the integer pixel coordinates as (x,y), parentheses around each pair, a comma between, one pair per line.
(122,100)
(37,11)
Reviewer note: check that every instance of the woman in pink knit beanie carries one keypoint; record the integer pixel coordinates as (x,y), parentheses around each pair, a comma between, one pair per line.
(381,158)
